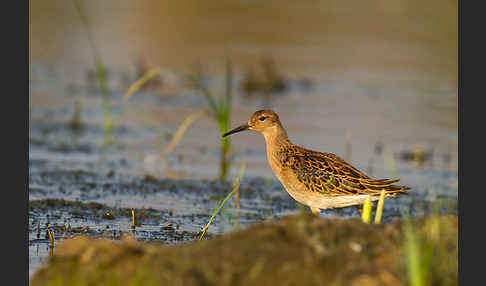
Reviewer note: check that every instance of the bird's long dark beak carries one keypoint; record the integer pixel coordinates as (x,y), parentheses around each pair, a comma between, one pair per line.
(237,129)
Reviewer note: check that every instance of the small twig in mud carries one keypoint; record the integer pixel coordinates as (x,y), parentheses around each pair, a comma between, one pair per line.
(65,231)
(235,188)
(51,238)
(133,219)
(38,228)
(63,235)
(75,121)
(237,194)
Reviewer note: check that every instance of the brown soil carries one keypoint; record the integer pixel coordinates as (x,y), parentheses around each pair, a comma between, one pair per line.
(297,250)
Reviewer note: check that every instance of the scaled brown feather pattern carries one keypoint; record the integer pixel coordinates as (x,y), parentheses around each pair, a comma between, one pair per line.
(328,174)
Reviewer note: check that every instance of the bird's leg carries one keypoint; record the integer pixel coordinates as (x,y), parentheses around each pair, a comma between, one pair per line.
(360,210)
(315,210)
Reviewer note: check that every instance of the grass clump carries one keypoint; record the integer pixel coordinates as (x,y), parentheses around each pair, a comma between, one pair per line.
(220,108)
(424,244)
(418,252)
(184,125)
(101,75)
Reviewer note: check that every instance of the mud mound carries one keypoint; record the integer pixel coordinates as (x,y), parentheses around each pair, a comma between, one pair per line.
(297,250)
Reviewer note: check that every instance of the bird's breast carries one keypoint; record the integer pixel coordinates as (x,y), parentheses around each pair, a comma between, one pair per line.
(281,171)
(275,163)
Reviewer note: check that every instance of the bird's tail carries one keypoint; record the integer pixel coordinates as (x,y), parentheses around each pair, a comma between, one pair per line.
(391,190)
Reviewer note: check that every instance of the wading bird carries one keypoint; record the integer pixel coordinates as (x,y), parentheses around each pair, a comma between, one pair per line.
(318,180)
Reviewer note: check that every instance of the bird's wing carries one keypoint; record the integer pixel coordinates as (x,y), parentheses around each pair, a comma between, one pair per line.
(328,174)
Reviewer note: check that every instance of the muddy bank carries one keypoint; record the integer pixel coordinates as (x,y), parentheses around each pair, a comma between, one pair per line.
(337,251)
(167,211)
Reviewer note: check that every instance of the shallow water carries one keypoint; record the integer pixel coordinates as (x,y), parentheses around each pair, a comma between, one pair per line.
(75,166)
(371,94)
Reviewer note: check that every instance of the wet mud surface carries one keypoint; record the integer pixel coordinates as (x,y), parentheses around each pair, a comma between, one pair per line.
(78,185)
(73,202)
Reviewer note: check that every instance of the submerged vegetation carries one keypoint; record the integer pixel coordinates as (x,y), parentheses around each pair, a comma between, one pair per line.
(219,109)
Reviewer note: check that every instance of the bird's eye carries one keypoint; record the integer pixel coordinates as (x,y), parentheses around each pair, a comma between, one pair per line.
(262,118)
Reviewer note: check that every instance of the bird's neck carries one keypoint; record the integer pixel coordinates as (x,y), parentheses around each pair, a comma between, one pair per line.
(276,137)
(276,141)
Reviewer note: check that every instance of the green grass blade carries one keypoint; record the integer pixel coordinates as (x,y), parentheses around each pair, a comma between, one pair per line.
(81,13)
(412,250)
(221,112)
(216,211)
(101,73)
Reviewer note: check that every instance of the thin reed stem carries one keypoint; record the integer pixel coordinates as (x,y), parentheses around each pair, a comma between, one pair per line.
(133,218)
(235,188)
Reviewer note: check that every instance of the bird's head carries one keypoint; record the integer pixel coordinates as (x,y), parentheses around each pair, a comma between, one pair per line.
(264,121)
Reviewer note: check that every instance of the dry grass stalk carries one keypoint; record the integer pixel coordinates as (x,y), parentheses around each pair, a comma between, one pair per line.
(180,132)
(51,238)
(139,83)
(236,197)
